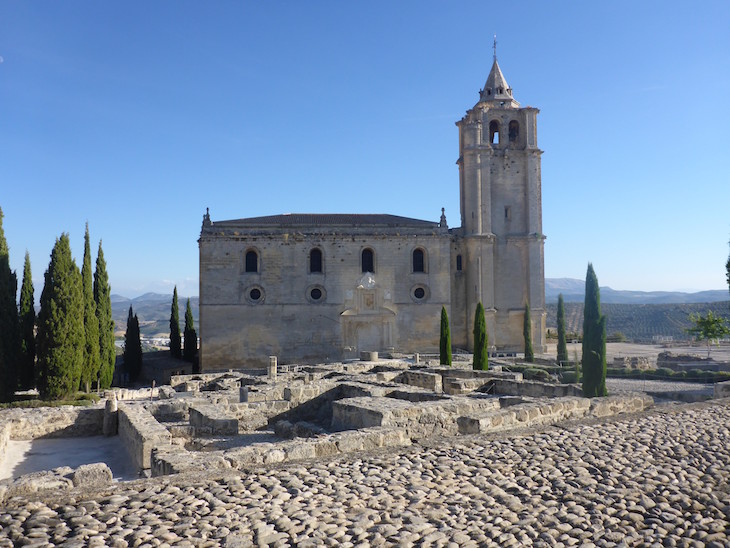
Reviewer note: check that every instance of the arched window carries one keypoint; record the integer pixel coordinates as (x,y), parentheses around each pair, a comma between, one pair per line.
(494,132)
(514,131)
(368,260)
(419,260)
(315,260)
(458,263)
(252,261)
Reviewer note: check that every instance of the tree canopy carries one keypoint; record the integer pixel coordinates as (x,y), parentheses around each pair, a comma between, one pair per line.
(527,334)
(481,360)
(708,328)
(90,369)
(594,339)
(562,343)
(61,338)
(27,328)
(102,298)
(445,339)
(9,325)
(175,327)
(190,348)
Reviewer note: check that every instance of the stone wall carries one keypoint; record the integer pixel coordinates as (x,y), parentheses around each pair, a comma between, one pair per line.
(176,460)
(140,432)
(53,422)
(722,390)
(543,412)
(536,389)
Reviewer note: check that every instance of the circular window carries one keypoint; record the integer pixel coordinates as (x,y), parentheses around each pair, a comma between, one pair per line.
(419,293)
(255,295)
(316,294)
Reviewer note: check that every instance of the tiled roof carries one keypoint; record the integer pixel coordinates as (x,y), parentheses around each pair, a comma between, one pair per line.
(328,219)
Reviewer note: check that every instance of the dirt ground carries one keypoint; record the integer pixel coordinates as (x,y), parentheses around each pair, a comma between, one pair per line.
(618,350)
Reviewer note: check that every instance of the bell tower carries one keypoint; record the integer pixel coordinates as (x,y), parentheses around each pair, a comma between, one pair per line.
(501,235)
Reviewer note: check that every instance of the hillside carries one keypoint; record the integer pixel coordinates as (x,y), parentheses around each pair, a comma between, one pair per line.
(153,311)
(639,322)
(573,291)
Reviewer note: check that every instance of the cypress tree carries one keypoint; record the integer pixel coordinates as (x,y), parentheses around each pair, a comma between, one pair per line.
(445,339)
(481,360)
(27,328)
(190,347)
(61,340)
(594,339)
(175,327)
(562,344)
(103,301)
(9,324)
(132,347)
(90,370)
(527,333)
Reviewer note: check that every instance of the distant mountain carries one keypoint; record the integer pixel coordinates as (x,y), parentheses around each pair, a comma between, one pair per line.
(153,311)
(573,292)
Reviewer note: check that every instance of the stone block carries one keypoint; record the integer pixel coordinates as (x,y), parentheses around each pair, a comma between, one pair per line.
(92,475)
(213,417)
(722,390)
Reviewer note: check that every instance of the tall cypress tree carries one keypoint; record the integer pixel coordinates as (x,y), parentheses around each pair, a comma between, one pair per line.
(527,334)
(594,339)
(9,325)
(175,327)
(562,343)
(103,301)
(61,339)
(27,328)
(190,346)
(132,347)
(481,360)
(445,339)
(90,370)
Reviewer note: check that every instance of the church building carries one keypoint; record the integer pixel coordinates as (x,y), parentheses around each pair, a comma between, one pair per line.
(323,287)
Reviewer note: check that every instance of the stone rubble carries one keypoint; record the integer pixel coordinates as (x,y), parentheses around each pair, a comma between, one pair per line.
(659,478)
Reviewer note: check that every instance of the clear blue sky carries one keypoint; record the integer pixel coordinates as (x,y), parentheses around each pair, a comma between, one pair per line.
(136,116)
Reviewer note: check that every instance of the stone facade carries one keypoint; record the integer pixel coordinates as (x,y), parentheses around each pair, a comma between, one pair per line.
(314,287)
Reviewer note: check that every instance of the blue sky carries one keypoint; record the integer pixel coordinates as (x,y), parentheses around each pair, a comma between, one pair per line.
(136,116)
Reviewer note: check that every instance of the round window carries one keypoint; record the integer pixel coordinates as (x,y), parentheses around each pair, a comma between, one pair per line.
(419,293)
(255,294)
(316,294)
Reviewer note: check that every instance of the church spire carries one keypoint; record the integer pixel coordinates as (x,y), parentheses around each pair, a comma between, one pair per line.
(496,89)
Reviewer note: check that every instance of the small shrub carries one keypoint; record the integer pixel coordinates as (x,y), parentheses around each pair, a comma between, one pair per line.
(535,374)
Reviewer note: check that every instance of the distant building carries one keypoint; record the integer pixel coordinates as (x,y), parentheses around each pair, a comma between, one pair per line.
(312,287)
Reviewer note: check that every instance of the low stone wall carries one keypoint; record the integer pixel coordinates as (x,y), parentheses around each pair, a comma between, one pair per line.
(140,433)
(299,393)
(634,362)
(128,394)
(53,422)
(722,390)
(4,439)
(211,419)
(421,379)
(536,389)
(428,418)
(64,478)
(455,386)
(544,412)
(177,460)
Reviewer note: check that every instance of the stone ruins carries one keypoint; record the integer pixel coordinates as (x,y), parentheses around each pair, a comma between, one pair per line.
(235,419)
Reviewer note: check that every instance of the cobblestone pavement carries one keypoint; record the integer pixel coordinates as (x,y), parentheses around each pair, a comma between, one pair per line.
(661,478)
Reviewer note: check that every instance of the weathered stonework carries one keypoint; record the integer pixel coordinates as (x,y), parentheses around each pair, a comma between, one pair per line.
(314,287)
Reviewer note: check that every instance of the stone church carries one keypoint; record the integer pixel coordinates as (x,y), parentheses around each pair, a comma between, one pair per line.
(318,287)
